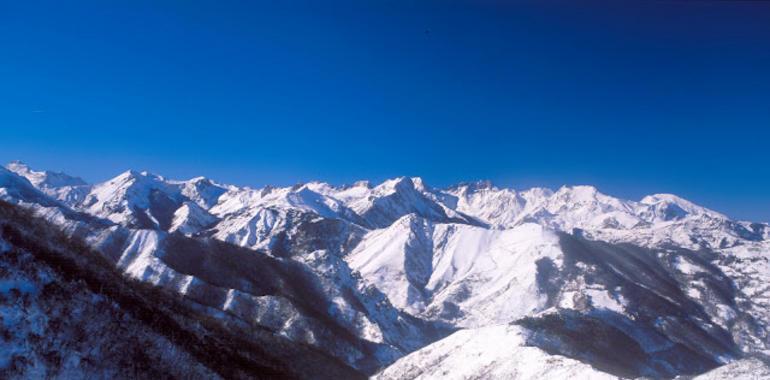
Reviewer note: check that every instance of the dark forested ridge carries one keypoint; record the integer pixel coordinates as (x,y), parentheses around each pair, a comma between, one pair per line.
(73,311)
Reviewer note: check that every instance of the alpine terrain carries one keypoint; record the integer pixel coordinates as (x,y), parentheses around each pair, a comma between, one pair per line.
(144,276)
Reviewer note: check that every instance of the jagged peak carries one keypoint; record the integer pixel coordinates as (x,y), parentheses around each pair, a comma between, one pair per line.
(319,187)
(419,183)
(396,184)
(473,186)
(684,204)
(199,179)
(664,197)
(540,192)
(128,174)
(44,178)
(358,184)
(363,183)
(132,174)
(579,190)
(130,183)
(23,188)
(318,183)
(587,194)
(17,164)
(203,182)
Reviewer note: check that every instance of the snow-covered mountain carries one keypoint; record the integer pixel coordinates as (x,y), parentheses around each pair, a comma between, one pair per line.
(464,275)
(591,284)
(492,352)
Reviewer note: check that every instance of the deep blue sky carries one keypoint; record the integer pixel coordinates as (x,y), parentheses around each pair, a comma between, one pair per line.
(633,97)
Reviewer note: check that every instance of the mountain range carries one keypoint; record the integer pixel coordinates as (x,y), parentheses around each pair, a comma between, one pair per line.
(397,280)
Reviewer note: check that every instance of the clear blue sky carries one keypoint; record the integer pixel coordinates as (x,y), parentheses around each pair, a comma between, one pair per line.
(633,97)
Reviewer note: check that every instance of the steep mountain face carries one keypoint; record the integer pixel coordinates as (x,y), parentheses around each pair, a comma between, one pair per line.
(463,275)
(371,274)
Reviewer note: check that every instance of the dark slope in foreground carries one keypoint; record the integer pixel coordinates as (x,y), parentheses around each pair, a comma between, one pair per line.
(67,312)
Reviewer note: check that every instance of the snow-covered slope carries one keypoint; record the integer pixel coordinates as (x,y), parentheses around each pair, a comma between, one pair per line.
(190,218)
(744,369)
(492,352)
(370,272)
(203,191)
(461,274)
(134,199)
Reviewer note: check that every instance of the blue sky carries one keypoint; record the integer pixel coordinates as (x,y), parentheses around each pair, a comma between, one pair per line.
(633,97)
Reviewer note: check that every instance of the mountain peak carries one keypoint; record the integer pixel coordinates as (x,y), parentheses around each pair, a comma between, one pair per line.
(15,187)
(395,185)
(684,204)
(664,197)
(579,194)
(130,173)
(138,175)
(474,186)
(419,184)
(361,184)
(19,168)
(579,190)
(17,164)
(45,178)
